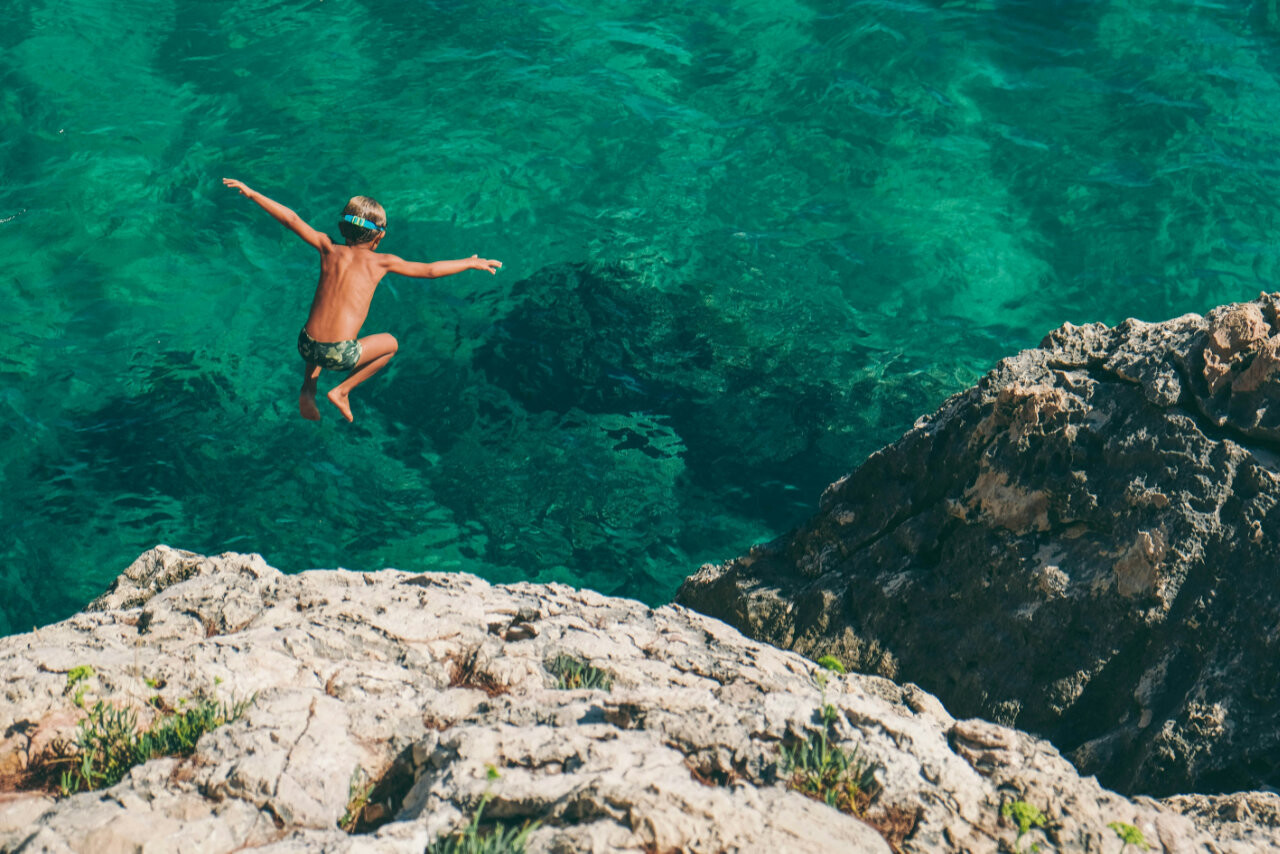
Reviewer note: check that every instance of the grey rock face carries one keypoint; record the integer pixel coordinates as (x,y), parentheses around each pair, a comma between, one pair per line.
(1086,544)
(445,678)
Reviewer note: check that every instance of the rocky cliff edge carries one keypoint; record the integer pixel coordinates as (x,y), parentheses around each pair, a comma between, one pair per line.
(438,688)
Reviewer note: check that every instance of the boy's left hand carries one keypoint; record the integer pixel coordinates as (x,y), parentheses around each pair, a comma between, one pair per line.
(237,185)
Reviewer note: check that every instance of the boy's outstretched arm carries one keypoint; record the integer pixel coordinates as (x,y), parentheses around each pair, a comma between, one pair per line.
(436,269)
(285,216)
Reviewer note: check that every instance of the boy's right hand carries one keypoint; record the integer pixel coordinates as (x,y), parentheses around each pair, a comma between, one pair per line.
(237,185)
(478,263)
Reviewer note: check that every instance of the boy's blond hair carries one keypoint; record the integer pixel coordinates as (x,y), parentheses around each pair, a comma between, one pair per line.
(365,208)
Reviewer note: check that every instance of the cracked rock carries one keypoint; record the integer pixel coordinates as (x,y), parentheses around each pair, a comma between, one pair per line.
(393,676)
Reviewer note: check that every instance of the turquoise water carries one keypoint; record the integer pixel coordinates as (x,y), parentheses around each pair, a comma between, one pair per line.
(745,245)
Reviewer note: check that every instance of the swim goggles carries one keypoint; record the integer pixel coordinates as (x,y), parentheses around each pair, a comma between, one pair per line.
(363,223)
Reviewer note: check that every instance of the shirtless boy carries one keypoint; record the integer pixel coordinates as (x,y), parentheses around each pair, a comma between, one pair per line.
(348,277)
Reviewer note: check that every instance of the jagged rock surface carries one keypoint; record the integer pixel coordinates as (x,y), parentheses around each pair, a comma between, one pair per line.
(444,677)
(1086,544)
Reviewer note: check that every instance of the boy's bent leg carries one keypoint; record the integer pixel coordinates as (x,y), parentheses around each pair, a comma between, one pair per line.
(375,352)
(307,397)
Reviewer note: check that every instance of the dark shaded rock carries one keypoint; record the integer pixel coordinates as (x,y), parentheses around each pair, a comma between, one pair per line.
(1084,544)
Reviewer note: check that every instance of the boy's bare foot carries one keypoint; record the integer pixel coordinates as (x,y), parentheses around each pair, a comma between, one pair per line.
(339,399)
(307,406)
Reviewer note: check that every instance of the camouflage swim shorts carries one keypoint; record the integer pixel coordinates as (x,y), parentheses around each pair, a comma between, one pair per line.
(330,355)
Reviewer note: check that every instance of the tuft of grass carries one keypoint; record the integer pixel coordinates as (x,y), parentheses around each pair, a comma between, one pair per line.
(76,676)
(1129,835)
(572,673)
(1026,816)
(109,743)
(830,662)
(827,773)
(500,839)
(358,791)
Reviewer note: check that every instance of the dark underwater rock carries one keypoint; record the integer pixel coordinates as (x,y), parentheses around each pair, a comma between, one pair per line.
(1086,544)
(601,339)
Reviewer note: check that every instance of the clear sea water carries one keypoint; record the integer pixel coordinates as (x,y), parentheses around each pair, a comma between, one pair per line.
(745,244)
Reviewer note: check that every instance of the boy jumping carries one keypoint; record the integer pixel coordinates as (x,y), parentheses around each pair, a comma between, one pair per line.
(348,277)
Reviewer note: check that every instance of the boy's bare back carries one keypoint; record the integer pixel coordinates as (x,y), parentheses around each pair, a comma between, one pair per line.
(349,275)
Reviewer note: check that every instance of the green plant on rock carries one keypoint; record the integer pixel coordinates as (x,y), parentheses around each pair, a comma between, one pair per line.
(357,799)
(572,673)
(76,676)
(105,749)
(500,839)
(826,772)
(1129,835)
(109,743)
(830,662)
(177,734)
(1026,816)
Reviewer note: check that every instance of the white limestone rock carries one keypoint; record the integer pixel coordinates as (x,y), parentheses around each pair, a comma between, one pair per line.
(445,675)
